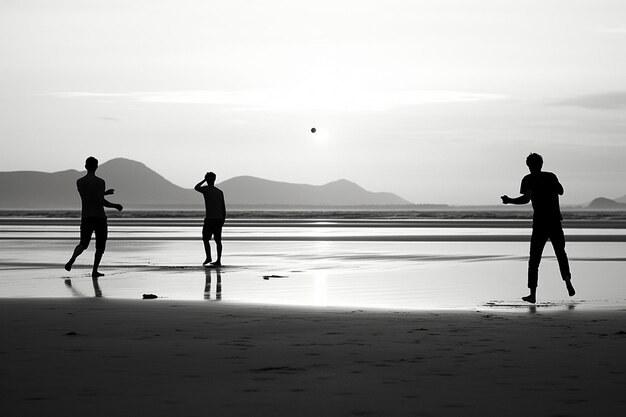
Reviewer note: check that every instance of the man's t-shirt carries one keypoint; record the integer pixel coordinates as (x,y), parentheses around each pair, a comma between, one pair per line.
(545,190)
(91,190)
(213,202)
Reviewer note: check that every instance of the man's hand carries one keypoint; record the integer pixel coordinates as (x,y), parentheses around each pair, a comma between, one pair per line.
(110,191)
(522,199)
(119,207)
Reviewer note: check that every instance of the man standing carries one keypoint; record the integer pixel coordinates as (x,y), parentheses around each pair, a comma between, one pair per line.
(93,219)
(214,218)
(543,190)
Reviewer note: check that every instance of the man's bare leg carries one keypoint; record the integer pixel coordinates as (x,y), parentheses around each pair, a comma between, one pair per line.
(218,244)
(96,263)
(77,251)
(207,250)
(570,288)
(532,297)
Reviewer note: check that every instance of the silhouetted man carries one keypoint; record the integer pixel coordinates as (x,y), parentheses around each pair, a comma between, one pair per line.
(93,219)
(543,190)
(214,218)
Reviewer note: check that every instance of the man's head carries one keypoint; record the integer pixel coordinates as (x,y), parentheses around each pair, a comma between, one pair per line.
(534,162)
(91,164)
(210,178)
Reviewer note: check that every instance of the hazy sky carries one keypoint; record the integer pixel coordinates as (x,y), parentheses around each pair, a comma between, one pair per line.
(437,101)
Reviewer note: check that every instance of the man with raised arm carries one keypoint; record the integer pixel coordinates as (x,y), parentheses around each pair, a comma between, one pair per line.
(93,219)
(543,190)
(214,218)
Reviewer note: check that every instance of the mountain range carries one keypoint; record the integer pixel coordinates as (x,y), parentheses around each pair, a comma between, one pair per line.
(603,203)
(139,187)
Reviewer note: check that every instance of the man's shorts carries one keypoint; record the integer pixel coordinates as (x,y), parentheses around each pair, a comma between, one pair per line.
(212,227)
(88,226)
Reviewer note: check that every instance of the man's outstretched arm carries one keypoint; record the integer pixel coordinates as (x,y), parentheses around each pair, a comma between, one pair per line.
(523,199)
(116,206)
(105,202)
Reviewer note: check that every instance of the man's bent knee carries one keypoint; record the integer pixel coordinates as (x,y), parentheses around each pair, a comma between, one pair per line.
(79,249)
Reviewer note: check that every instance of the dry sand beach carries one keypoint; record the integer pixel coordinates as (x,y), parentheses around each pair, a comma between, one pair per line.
(163,358)
(311,318)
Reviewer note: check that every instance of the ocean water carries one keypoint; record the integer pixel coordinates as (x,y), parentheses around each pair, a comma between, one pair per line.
(356,263)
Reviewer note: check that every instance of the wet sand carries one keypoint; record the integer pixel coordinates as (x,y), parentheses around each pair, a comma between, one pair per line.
(103,357)
(401,275)
(310,320)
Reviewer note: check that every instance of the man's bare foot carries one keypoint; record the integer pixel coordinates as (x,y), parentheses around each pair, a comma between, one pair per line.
(216,263)
(68,266)
(530,299)
(206,261)
(96,274)
(570,288)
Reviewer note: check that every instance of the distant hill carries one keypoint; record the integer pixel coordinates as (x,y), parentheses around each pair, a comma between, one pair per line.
(245,189)
(139,187)
(606,204)
(621,199)
(34,190)
(136,186)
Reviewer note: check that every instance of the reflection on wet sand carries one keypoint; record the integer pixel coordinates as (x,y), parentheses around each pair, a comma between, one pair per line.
(76,293)
(208,272)
(393,275)
(534,308)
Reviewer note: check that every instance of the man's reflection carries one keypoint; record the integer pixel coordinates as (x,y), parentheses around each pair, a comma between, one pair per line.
(96,287)
(77,293)
(208,272)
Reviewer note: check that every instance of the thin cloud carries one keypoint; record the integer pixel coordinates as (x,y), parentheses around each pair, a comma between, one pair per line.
(610,101)
(292,99)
